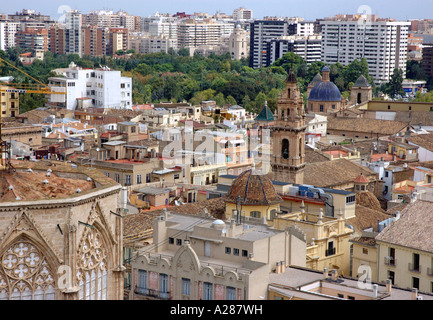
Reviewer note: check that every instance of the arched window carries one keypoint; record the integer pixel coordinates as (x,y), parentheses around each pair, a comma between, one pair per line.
(92,267)
(25,273)
(359,97)
(285,149)
(288,93)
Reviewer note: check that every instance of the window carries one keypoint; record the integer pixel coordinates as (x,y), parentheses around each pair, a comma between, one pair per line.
(176,176)
(244,253)
(128,180)
(186,287)
(230,293)
(117,177)
(364,250)
(171,240)
(228,250)
(179,242)
(148,178)
(138,178)
(415,282)
(236,252)
(350,199)
(208,291)
(321,108)
(391,276)
(331,249)
(107,174)
(142,281)
(163,285)
(255,214)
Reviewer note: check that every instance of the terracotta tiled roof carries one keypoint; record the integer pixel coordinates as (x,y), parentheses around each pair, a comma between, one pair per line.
(361,179)
(382,127)
(139,225)
(334,173)
(253,189)
(423,140)
(413,229)
(366,218)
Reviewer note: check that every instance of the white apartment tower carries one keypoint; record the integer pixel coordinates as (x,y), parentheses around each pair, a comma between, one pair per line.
(242,14)
(383,43)
(73,21)
(8,31)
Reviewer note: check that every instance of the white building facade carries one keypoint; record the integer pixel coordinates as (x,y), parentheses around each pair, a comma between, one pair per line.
(382,43)
(105,88)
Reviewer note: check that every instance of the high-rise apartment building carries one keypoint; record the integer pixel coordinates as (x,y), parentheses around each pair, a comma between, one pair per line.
(307,47)
(57,39)
(148,44)
(382,42)
(95,41)
(33,39)
(193,33)
(242,14)
(73,43)
(263,31)
(118,40)
(8,31)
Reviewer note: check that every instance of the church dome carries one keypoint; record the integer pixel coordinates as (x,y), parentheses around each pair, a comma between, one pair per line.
(317,78)
(253,189)
(325,91)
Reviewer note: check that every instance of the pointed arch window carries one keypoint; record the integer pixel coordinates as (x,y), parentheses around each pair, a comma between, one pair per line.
(25,273)
(92,268)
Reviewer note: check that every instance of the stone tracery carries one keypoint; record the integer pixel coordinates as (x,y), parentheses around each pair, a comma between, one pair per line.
(25,274)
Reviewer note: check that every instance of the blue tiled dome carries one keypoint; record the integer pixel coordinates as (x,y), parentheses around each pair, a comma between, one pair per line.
(325,91)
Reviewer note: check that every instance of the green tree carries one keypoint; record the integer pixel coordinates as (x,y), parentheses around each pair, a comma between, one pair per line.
(230,100)
(395,87)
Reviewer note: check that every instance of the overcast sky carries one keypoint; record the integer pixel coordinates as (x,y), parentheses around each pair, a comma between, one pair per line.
(308,9)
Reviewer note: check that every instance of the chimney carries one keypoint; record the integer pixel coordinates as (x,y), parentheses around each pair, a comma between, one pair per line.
(124,197)
(283,266)
(278,268)
(334,274)
(375,286)
(414,294)
(388,286)
(325,274)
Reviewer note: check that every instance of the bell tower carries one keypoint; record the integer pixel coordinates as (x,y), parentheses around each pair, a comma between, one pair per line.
(288,158)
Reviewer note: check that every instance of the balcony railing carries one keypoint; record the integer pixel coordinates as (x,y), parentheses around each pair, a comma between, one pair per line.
(152,293)
(414,267)
(389,261)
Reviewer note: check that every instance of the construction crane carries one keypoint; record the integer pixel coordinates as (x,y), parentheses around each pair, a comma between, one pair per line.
(19,88)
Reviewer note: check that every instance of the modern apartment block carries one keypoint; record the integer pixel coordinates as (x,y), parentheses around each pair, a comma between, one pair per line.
(103,88)
(242,14)
(95,41)
(148,44)
(73,31)
(33,39)
(263,31)
(382,42)
(307,47)
(8,31)
(193,33)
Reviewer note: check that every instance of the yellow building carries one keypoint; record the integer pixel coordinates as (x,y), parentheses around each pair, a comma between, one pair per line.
(405,248)
(10,103)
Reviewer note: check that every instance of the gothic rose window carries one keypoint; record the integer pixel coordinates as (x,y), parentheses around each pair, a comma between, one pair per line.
(92,267)
(25,274)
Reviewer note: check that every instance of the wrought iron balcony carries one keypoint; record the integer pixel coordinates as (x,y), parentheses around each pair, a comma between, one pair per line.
(152,293)
(389,261)
(414,267)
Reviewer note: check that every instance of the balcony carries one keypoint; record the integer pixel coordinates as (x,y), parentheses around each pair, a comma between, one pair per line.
(151,293)
(414,267)
(390,261)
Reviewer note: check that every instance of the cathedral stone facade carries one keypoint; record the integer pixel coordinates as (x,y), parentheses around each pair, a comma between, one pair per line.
(60,234)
